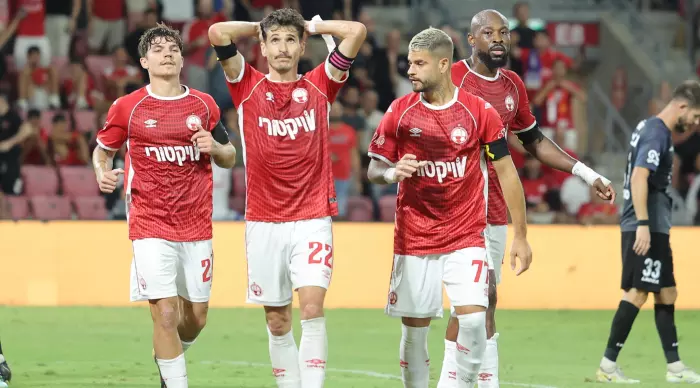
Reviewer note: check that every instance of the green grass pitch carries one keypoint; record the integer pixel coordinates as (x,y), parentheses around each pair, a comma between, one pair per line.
(111,347)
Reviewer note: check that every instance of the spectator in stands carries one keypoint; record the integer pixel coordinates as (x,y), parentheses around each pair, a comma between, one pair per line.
(598,211)
(12,135)
(106,24)
(222,182)
(66,146)
(61,22)
(372,116)
(526,35)
(5,35)
(351,109)
(661,99)
(574,192)
(535,188)
(80,89)
(38,84)
(119,75)
(196,41)
(345,158)
(131,42)
(34,149)
(31,32)
(557,99)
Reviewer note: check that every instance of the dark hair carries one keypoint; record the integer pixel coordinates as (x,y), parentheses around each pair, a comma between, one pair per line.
(58,118)
(151,35)
(688,91)
(33,50)
(285,17)
(33,114)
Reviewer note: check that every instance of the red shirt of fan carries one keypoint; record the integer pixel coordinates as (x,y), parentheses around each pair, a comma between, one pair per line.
(284,131)
(534,189)
(33,23)
(168,182)
(506,93)
(442,208)
(558,108)
(342,143)
(198,29)
(111,10)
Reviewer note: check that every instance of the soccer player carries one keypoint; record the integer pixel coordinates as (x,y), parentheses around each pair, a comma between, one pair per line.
(5,372)
(647,261)
(431,141)
(482,75)
(290,198)
(172,133)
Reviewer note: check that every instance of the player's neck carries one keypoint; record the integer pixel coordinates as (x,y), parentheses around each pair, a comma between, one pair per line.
(480,68)
(289,76)
(440,95)
(669,117)
(166,87)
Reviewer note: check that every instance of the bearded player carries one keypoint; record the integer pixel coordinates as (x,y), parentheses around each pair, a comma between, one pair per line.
(290,197)
(482,75)
(172,133)
(431,141)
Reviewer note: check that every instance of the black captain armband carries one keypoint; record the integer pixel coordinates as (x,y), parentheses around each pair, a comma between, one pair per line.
(497,149)
(530,136)
(225,52)
(220,134)
(340,61)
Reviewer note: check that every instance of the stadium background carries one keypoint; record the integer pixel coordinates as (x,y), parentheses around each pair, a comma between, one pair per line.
(594,68)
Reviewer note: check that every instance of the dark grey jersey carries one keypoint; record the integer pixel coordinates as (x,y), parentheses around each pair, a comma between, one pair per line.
(650,148)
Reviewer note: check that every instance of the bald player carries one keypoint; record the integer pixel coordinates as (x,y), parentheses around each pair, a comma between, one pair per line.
(483,75)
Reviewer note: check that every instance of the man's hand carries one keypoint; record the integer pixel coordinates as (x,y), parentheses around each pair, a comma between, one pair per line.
(520,250)
(204,141)
(108,180)
(643,240)
(407,166)
(5,146)
(604,192)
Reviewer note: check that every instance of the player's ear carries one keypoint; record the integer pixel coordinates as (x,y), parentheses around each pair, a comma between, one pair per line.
(444,65)
(263,49)
(144,63)
(303,46)
(471,40)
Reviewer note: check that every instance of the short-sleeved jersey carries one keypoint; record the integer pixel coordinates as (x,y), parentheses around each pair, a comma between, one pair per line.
(168,182)
(284,131)
(442,208)
(651,148)
(505,92)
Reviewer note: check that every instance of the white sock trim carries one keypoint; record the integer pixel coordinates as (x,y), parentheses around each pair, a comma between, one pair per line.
(186,345)
(173,369)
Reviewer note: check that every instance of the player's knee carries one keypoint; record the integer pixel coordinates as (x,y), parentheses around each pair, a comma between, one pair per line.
(416,322)
(472,321)
(278,322)
(311,311)
(166,315)
(636,297)
(668,295)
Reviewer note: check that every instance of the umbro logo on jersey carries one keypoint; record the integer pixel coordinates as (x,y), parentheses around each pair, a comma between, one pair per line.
(150,123)
(415,132)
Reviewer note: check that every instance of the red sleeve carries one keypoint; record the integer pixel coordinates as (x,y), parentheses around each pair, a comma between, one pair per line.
(565,58)
(384,144)
(321,77)
(524,119)
(115,131)
(489,122)
(214,112)
(459,71)
(241,87)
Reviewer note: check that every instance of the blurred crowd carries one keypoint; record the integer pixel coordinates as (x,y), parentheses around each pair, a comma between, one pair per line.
(66,61)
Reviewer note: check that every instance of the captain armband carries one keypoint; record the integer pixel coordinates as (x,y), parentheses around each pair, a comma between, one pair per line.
(225,52)
(340,61)
(530,136)
(497,149)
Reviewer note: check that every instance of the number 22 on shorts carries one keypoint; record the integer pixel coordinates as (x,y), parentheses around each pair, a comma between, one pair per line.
(321,253)
(207,268)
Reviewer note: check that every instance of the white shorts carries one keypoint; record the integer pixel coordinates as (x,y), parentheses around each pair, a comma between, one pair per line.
(285,256)
(163,269)
(416,282)
(496,236)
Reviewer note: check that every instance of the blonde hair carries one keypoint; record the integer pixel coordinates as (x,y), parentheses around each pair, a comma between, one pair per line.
(432,40)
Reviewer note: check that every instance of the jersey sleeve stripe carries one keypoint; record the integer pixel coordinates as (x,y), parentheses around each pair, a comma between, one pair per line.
(99,143)
(205,107)
(382,158)
(240,75)
(534,123)
(252,91)
(470,113)
(316,87)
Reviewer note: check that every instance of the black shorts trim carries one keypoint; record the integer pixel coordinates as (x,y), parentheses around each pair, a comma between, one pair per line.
(650,272)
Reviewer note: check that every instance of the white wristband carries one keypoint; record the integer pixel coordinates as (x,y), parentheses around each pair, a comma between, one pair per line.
(330,43)
(312,26)
(390,175)
(588,174)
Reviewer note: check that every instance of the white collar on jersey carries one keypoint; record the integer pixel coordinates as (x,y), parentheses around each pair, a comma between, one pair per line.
(157,97)
(280,82)
(495,77)
(435,107)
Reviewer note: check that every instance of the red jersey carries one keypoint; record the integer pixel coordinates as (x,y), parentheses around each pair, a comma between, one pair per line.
(168,182)
(108,10)
(196,29)
(506,93)
(33,23)
(558,109)
(284,131)
(442,208)
(534,189)
(343,142)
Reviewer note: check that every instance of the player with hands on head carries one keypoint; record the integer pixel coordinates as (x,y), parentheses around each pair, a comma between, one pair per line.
(434,143)
(290,195)
(173,134)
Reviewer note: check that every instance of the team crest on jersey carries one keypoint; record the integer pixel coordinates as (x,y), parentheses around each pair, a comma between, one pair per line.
(192,122)
(459,135)
(379,140)
(510,103)
(300,95)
